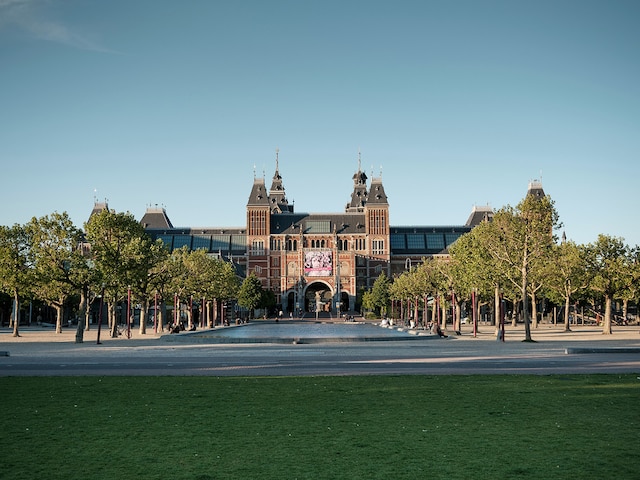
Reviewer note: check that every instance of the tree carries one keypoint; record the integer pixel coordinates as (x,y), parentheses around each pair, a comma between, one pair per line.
(60,267)
(631,290)
(475,269)
(250,293)
(520,241)
(119,246)
(379,297)
(608,265)
(15,268)
(149,256)
(566,275)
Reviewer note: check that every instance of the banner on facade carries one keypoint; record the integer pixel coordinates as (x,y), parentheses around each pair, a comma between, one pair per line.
(318,263)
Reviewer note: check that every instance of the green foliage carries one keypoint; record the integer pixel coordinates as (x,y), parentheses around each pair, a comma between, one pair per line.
(378,298)
(251,293)
(377,427)
(16,274)
(608,267)
(60,266)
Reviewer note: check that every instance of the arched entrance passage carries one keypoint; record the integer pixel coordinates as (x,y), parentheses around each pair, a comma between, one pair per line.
(318,292)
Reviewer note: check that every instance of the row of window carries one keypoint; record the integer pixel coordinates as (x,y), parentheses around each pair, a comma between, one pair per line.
(422,241)
(211,243)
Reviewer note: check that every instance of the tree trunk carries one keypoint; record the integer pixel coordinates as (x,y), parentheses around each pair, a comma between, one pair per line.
(59,314)
(525,308)
(606,327)
(113,321)
(161,316)
(82,312)
(143,315)
(534,311)
(567,328)
(15,314)
(496,310)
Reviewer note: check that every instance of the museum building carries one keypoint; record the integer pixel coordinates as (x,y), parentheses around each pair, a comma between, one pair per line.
(315,261)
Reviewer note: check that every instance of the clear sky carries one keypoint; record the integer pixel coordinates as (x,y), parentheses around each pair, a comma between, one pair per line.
(456,103)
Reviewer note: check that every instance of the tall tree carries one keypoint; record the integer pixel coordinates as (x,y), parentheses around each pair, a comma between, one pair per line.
(118,246)
(60,266)
(520,243)
(150,255)
(608,265)
(250,293)
(566,275)
(16,272)
(380,293)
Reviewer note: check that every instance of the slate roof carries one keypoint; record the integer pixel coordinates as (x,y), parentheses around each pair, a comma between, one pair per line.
(535,189)
(320,223)
(156,217)
(479,215)
(258,196)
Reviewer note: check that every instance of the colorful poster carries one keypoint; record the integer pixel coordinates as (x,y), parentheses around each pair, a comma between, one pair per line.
(318,263)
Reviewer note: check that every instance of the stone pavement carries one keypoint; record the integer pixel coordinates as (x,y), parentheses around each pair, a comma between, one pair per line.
(34,337)
(40,351)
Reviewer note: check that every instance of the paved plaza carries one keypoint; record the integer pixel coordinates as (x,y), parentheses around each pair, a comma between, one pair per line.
(40,351)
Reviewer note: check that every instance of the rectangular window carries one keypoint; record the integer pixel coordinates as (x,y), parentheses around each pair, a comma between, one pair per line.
(451,237)
(181,240)
(415,241)
(219,243)
(435,241)
(257,247)
(238,243)
(378,247)
(201,241)
(397,242)
(318,226)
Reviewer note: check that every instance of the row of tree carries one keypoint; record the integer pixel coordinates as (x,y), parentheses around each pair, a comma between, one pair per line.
(516,256)
(114,259)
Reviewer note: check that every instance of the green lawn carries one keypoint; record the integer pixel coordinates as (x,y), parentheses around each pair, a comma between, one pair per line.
(364,427)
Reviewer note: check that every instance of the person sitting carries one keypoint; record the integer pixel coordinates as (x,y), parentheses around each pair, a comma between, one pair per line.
(437,330)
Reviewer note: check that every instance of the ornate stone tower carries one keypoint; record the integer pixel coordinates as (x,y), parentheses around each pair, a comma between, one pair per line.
(258,229)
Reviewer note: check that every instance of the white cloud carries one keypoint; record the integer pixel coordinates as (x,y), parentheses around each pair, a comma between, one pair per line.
(30,17)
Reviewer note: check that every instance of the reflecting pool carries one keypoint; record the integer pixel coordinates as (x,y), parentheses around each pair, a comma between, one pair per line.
(295,332)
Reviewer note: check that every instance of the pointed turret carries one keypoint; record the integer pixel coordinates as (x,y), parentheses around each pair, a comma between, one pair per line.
(277,197)
(359,195)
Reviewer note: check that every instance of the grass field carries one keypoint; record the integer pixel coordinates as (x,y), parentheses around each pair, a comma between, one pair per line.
(364,427)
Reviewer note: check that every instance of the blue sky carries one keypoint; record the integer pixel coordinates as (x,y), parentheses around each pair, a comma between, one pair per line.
(455,103)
